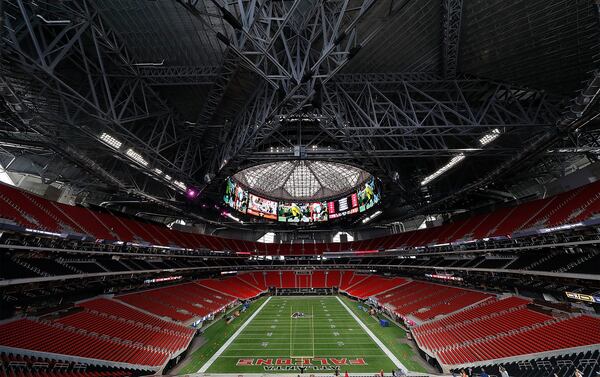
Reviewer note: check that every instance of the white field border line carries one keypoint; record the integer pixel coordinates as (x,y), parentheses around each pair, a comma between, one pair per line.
(227,343)
(375,339)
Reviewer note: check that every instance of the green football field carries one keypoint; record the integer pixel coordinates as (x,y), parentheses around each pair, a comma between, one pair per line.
(280,334)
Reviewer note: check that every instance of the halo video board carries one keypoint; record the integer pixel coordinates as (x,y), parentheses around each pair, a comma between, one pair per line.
(238,198)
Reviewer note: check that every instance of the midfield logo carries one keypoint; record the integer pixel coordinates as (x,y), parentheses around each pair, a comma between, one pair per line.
(315,363)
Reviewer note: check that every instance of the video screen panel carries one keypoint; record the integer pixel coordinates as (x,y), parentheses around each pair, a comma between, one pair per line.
(235,196)
(262,207)
(302,212)
(294,213)
(342,207)
(368,195)
(318,211)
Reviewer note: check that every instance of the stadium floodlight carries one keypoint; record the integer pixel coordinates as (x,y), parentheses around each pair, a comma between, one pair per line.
(484,140)
(150,64)
(180,184)
(53,22)
(227,214)
(110,140)
(135,156)
(371,217)
(488,138)
(168,177)
(157,171)
(455,160)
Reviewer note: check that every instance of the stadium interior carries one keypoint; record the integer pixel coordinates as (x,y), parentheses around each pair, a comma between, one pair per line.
(324,187)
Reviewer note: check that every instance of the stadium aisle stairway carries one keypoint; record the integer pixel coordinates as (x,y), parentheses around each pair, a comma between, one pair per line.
(115,308)
(180,302)
(120,329)
(450,304)
(233,287)
(249,279)
(424,301)
(482,310)
(259,278)
(350,279)
(374,285)
(156,307)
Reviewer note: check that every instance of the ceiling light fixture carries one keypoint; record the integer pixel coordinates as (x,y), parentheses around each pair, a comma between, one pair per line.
(110,140)
(135,156)
(180,184)
(227,214)
(488,138)
(371,217)
(484,140)
(53,22)
(455,160)
(150,64)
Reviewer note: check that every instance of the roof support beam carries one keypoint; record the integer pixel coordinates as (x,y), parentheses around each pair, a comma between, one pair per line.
(88,84)
(406,117)
(451,23)
(178,75)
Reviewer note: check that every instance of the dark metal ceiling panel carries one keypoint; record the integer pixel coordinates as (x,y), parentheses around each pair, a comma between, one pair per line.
(164,30)
(544,44)
(410,41)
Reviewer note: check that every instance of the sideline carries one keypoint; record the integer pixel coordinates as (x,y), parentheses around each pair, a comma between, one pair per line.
(231,339)
(375,339)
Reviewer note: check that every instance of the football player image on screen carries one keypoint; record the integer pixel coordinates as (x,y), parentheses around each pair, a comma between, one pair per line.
(294,212)
(318,211)
(262,207)
(241,199)
(368,196)
(231,190)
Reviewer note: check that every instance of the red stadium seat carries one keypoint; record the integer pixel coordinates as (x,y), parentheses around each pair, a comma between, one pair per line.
(45,337)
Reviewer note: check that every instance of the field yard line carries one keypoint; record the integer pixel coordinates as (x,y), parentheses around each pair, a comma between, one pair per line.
(375,339)
(231,339)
